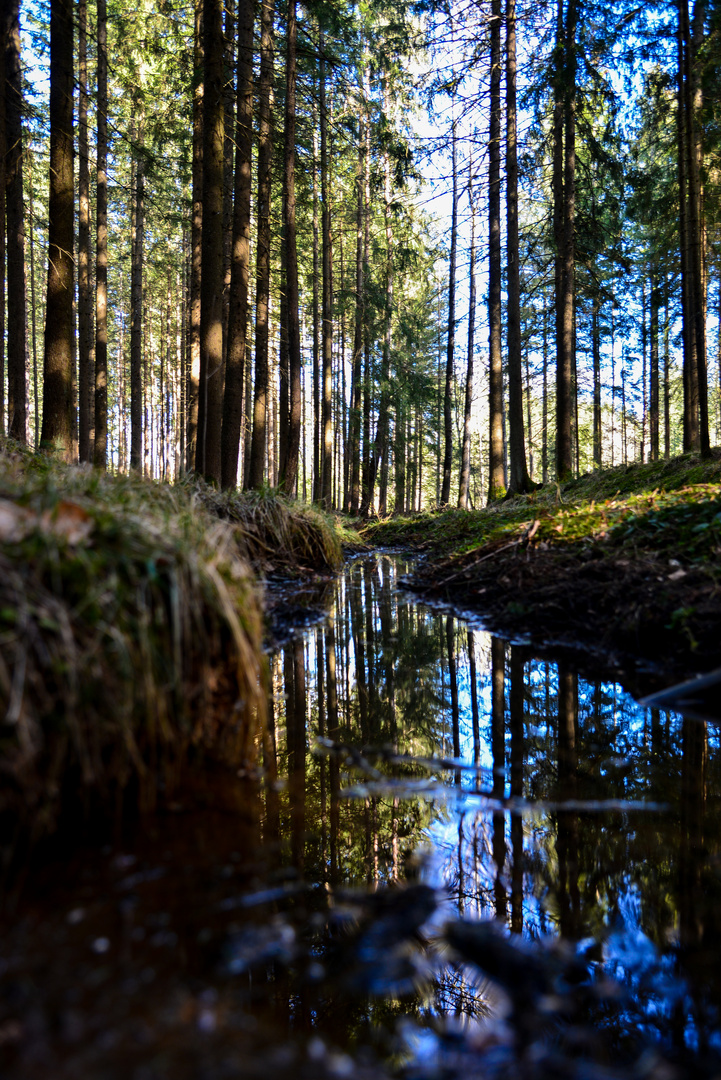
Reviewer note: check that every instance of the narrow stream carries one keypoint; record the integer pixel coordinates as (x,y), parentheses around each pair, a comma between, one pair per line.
(420,771)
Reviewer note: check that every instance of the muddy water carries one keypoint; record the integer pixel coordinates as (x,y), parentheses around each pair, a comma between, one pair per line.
(419,772)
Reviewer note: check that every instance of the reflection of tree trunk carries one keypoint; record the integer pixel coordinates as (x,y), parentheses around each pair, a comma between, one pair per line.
(567,837)
(323,762)
(358,633)
(368,593)
(294,680)
(474,698)
(516,725)
(451,640)
(498,750)
(270,762)
(333,765)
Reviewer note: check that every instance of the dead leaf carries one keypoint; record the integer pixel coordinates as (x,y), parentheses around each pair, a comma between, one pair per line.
(15,521)
(676,575)
(67,521)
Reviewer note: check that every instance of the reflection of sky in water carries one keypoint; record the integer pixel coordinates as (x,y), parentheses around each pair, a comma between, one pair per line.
(592,855)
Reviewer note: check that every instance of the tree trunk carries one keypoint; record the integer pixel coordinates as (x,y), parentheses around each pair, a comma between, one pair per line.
(210,399)
(16,304)
(466,443)
(596,347)
(86,360)
(380,451)
(289,467)
(565,302)
(240,253)
(262,268)
(450,344)
(691,433)
(3,247)
(193,384)
(15,227)
(136,296)
(58,361)
(327,300)
(357,359)
(654,387)
(496,481)
(316,319)
(698,233)
(519,480)
(100,450)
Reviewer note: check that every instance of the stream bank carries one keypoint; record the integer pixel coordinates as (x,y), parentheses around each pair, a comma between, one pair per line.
(620,570)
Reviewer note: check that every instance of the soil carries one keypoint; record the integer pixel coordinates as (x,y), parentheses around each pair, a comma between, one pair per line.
(650,620)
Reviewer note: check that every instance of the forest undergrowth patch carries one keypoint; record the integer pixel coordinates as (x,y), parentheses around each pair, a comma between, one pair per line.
(131,630)
(624,563)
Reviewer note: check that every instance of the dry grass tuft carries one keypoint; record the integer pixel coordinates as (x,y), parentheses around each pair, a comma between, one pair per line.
(275,533)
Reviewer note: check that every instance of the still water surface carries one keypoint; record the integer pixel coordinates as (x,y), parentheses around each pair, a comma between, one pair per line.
(407,748)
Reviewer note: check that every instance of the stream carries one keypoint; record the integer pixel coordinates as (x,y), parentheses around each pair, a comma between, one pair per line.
(332,916)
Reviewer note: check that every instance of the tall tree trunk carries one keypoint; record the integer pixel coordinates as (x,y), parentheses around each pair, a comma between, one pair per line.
(466,443)
(289,467)
(16,304)
(3,246)
(565,302)
(316,319)
(262,268)
(327,299)
(691,434)
(519,480)
(698,232)
(654,387)
(210,400)
(240,253)
(496,480)
(357,359)
(100,449)
(58,361)
(136,295)
(366,493)
(196,229)
(450,341)
(86,360)
(380,451)
(596,348)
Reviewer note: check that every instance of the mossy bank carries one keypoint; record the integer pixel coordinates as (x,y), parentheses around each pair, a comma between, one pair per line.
(131,630)
(622,567)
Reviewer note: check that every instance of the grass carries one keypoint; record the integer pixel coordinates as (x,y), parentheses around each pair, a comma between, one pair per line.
(130,635)
(668,508)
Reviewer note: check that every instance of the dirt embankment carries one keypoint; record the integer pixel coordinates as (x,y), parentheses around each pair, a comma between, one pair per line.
(621,569)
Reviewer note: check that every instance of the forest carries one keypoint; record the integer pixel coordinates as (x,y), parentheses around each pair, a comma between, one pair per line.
(384,257)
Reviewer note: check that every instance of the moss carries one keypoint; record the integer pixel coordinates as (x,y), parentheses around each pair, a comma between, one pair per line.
(130,633)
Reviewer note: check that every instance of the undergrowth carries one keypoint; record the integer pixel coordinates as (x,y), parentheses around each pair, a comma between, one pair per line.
(669,508)
(130,632)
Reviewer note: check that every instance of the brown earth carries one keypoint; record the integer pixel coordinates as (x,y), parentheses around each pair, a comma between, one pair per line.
(645,618)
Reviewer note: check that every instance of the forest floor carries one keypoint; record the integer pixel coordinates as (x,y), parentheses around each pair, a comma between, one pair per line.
(620,569)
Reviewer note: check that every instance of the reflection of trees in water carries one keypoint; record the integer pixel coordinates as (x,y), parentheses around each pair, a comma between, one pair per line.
(383,672)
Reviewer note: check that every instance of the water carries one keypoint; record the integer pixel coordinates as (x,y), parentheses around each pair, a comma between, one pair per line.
(261,925)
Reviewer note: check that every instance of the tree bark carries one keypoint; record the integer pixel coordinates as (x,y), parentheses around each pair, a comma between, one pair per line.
(262,268)
(519,480)
(136,295)
(496,480)
(210,398)
(357,360)
(86,360)
(289,467)
(565,302)
(58,359)
(100,449)
(240,253)
(450,344)
(655,303)
(327,299)
(196,229)
(466,443)
(16,303)
(596,351)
